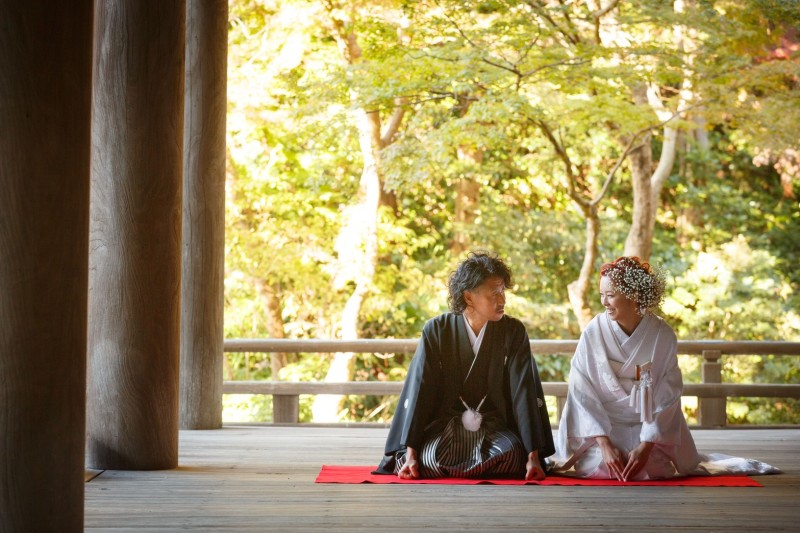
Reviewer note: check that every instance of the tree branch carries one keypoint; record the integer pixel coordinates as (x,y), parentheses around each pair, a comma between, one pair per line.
(564,156)
(569,61)
(628,149)
(610,176)
(597,15)
(456,26)
(394,121)
(540,9)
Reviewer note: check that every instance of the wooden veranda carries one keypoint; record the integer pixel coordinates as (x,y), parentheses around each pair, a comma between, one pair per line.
(112,159)
(261,478)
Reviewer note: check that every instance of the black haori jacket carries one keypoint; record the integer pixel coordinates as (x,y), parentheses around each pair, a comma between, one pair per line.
(436,375)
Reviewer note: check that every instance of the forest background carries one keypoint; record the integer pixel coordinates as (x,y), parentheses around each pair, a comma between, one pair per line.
(373,144)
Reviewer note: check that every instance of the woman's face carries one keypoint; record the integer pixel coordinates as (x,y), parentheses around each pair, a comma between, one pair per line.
(618,306)
(488,301)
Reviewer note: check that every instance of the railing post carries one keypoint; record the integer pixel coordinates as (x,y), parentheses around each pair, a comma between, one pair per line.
(561,402)
(285,408)
(711,411)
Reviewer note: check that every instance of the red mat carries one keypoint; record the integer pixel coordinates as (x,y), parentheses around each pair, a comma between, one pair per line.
(361,474)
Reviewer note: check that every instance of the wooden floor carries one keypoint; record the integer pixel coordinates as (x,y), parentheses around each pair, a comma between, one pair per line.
(262,479)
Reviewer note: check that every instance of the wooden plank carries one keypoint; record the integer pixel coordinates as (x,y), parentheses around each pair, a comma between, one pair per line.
(91,473)
(262,479)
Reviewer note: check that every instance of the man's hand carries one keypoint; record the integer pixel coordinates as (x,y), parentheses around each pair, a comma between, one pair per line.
(533,470)
(410,469)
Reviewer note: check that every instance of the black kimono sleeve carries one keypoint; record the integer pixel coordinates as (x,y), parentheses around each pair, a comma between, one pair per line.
(527,397)
(416,407)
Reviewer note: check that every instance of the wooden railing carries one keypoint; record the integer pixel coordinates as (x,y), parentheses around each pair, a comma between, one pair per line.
(712,394)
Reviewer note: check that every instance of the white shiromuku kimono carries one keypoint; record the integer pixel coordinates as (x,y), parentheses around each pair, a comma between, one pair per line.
(605,398)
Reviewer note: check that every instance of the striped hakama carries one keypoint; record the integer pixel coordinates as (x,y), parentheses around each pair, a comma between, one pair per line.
(460,453)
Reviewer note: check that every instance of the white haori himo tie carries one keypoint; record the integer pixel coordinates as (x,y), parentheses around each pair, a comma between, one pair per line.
(642,392)
(472,418)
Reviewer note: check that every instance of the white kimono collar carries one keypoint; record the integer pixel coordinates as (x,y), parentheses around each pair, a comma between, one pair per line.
(475,340)
(634,348)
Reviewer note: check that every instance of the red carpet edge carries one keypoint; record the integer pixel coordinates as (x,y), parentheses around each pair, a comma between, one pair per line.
(361,474)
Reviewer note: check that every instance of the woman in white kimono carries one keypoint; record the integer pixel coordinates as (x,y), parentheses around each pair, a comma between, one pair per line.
(623,418)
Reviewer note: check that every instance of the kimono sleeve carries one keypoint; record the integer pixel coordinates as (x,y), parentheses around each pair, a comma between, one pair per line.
(527,396)
(416,405)
(584,415)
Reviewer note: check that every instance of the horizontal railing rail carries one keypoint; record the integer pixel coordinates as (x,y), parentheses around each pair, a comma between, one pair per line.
(712,394)
(551,347)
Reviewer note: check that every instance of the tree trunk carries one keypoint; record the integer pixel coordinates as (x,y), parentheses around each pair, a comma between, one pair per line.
(701,132)
(275,325)
(579,289)
(640,234)
(647,189)
(467,193)
(357,244)
(358,256)
(647,183)
(586,201)
(788,166)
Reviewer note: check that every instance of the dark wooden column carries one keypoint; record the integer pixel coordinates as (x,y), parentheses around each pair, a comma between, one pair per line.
(135,235)
(203,214)
(45,95)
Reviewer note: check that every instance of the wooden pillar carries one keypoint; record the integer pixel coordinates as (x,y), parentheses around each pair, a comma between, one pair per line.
(135,235)
(203,214)
(45,96)
(711,411)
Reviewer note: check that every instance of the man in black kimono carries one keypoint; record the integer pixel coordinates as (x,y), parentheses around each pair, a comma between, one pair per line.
(472,404)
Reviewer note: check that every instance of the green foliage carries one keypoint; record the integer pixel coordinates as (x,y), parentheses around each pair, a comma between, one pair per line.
(483,78)
(733,292)
(239,408)
(762,369)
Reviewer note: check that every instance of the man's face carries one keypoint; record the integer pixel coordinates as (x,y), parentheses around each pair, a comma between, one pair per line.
(488,301)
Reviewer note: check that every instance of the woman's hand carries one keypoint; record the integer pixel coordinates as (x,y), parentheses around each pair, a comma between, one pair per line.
(636,460)
(410,469)
(612,457)
(533,470)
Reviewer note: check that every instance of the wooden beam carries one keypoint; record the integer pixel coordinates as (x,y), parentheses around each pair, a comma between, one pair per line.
(321,345)
(688,347)
(551,388)
(286,394)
